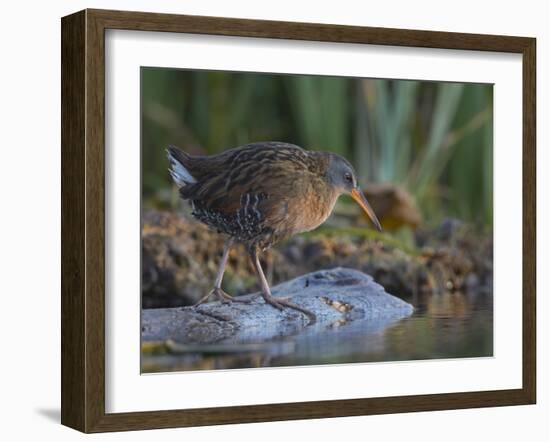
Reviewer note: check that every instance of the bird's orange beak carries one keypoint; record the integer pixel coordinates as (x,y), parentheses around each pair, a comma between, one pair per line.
(360,199)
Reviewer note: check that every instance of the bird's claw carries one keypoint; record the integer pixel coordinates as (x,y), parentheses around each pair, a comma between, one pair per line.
(222,296)
(281,303)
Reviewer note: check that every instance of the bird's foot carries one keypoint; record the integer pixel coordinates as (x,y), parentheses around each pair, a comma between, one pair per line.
(223,297)
(281,303)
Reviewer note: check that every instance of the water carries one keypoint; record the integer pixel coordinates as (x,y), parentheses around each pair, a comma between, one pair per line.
(449,325)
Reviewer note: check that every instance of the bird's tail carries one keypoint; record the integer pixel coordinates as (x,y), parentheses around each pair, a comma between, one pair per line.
(178,171)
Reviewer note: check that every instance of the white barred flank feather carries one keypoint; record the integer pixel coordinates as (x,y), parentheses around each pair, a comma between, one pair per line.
(179,173)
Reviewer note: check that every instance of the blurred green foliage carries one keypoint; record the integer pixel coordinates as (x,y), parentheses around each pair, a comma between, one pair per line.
(433,138)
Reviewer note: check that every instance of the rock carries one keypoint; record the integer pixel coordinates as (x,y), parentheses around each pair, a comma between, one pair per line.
(338,296)
(394,206)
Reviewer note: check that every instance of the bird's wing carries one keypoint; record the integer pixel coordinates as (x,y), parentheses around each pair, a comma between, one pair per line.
(262,174)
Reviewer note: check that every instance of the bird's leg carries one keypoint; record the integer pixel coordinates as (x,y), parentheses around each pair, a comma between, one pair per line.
(217,290)
(278,303)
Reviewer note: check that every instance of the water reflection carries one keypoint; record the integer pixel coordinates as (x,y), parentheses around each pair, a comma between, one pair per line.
(447,325)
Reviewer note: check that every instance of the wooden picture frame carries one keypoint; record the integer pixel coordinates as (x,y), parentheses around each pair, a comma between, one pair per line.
(83,220)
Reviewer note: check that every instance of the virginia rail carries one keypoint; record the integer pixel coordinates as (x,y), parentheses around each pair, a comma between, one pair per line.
(261,193)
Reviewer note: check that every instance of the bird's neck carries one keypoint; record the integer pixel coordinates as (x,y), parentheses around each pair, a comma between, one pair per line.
(319,162)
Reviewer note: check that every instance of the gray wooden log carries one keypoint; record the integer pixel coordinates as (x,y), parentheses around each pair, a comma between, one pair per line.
(338,296)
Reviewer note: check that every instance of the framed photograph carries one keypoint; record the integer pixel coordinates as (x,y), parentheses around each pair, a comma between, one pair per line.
(269,220)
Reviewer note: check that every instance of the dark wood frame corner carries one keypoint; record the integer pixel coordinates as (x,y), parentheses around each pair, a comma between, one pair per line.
(83,218)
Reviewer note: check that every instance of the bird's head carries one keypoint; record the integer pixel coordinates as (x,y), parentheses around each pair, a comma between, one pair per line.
(342,177)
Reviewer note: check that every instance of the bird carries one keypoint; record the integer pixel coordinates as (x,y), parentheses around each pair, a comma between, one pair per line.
(260,194)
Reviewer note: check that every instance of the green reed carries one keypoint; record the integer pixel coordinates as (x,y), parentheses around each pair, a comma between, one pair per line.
(433,138)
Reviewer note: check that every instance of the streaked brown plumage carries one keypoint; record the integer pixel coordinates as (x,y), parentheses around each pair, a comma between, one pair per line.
(261,193)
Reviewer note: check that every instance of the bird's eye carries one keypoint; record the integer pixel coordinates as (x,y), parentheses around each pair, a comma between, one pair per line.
(348,177)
